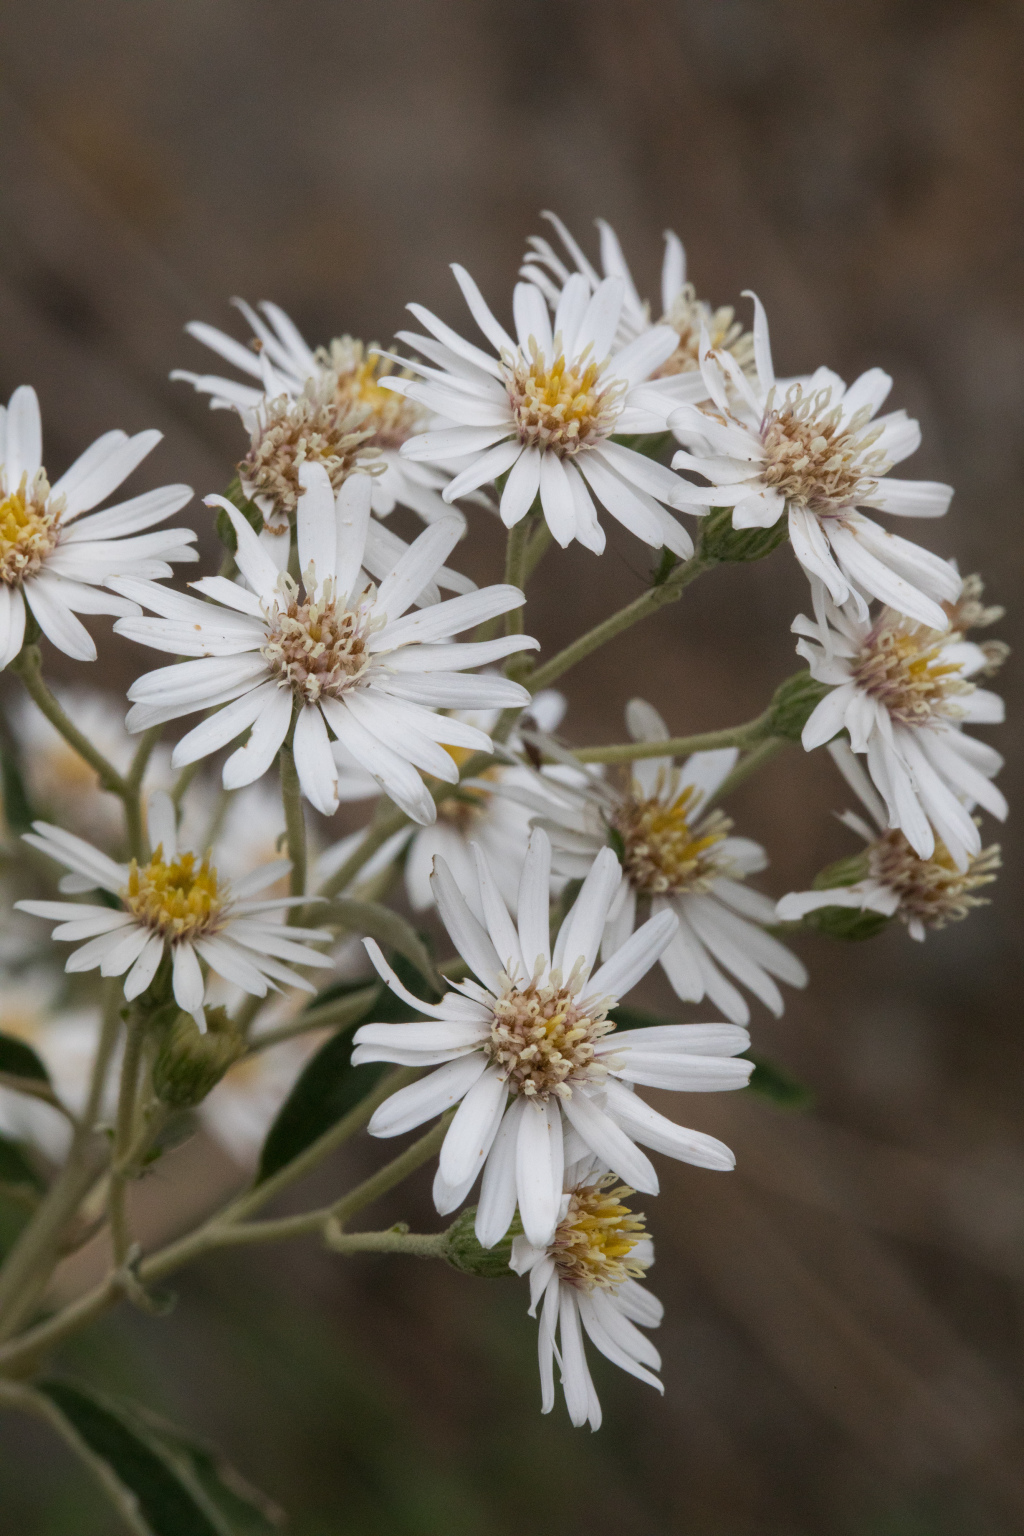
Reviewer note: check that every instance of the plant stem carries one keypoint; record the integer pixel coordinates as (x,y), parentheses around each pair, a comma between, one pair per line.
(184,779)
(124,1131)
(678,746)
(515,569)
(640,608)
(295,824)
(344,1010)
(536,549)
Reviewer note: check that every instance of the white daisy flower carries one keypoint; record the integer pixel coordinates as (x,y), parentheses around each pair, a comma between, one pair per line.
(903,692)
(330,398)
(339,653)
(813,449)
(544,411)
(59,565)
(65,1040)
(922,893)
(680,306)
(675,856)
(529,1055)
(175,903)
(588,1280)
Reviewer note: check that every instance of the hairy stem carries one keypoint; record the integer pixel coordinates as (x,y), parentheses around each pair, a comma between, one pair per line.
(295,824)
(124,1135)
(678,746)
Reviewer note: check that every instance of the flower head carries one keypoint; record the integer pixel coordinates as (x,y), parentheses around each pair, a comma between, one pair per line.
(588,1279)
(325,405)
(678,854)
(816,450)
(338,653)
(904,692)
(543,408)
(528,1053)
(174,903)
(60,562)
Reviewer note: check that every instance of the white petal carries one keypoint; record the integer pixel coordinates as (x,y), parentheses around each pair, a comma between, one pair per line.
(609,1142)
(431,1096)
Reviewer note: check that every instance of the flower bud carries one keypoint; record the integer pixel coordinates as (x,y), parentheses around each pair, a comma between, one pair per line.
(464,1252)
(719,540)
(188,1064)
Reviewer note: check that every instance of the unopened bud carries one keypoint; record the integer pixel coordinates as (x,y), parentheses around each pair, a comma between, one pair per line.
(188,1064)
(463,1251)
(719,540)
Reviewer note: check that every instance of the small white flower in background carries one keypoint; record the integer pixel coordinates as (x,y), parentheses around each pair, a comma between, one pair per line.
(65,785)
(174,902)
(589,1274)
(534,1029)
(482,812)
(326,405)
(544,409)
(680,306)
(903,692)
(65,1040)
(814,450)
(680,856)
(56,560)
(341,654)
(922,893)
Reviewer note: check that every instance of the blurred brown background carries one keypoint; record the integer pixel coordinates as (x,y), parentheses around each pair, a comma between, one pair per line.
(843,1345)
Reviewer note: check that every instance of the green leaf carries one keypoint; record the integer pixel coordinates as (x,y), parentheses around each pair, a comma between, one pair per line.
(719,540)
(16,1171)
(173,1485)
(19,1060)
(793,703)
(772,1082)
(371,919)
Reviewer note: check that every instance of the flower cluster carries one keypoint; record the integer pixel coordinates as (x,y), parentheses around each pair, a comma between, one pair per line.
(331,662)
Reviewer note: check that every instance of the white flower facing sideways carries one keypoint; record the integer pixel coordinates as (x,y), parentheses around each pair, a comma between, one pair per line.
(55,559)
(588,1280)
(816,451)
(339,654)
(527,1052)
(325,404)
(680,306)
(543,411)
(174,902)
(922,893)
(677,855)
(903,692)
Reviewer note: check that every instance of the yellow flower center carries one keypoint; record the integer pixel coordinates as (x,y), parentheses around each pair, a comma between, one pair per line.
(179,899)
(666,849)
(687,315)
(593,1242)
(901,665)
(29,529)
(932,890)
(390,419)
(543,1042)
(812,459)
(564,406)
(318,647)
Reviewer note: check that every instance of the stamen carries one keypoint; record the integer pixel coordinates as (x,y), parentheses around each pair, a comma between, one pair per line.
(313,429)
(390,419)
(664,851)
(318,646)
(563,406)
(901,665)
(177,899)
(29,529)
(931,891)
(594,1240)
(542,1041)
(687,315)
(812,459)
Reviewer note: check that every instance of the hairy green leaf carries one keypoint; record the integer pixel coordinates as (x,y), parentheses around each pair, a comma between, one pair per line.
(178,1486)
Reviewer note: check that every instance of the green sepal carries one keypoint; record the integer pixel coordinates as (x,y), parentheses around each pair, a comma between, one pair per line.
(719,540)
(848,923)
(843,872)
(793,703)
(463,1251)
(772,1082)
(189,1065)
(249,510)
(176,1485)
(19,1060)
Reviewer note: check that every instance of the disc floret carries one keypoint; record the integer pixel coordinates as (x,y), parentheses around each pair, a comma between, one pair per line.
(687,316)
(178,898)
(29,528)
(666,847)
(813,458)
(310,428)
(932,892)
(543,1041)
(563,405)
(357,370)
(318,646)
(596,1237)
(901,664)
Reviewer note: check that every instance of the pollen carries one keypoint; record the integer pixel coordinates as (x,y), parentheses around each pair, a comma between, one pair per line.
(814,460)
(390,419)
(543,1042)
(686,317)
(932,891)
(563,405)
(318,647)
(901,665)
(311,429)
(29,529)
(667,847)
(180,899)
(594,1240)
